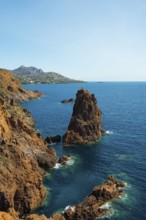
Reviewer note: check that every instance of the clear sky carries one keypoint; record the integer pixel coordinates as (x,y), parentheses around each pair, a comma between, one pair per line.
(94,40)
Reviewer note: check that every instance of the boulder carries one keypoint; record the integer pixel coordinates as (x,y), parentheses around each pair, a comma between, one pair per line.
(64,159)
(85,124)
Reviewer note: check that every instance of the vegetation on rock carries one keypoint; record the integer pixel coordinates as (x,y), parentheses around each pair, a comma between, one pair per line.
(28,75)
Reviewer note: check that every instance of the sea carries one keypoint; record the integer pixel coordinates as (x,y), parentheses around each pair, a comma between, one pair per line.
(121,152)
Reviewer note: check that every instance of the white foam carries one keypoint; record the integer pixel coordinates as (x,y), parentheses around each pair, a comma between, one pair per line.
(70,207)
(124,197)
(109,132)
(107,205)
(70,162)
(108,215)
(57,166)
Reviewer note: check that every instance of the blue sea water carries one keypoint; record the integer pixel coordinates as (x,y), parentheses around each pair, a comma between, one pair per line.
(121,152)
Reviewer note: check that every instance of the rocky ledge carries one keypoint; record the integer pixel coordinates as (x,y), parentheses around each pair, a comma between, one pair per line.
(92,207)
(85,124)
(23,153)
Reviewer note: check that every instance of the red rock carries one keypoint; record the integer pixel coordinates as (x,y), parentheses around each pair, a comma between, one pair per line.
(23,153)
(6,216)
(91,208)
(13,88)
(85,125)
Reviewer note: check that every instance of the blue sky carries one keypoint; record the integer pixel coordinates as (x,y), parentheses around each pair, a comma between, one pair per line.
(94,40)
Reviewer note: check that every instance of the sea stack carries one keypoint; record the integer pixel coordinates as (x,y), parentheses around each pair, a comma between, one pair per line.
(85,124)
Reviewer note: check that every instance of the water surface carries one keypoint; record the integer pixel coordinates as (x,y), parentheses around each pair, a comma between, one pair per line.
(121,152)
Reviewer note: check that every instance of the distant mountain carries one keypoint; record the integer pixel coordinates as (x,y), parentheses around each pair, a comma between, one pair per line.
(28,70)
(28,75)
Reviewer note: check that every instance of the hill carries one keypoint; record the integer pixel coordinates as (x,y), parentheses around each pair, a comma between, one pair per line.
(28,75)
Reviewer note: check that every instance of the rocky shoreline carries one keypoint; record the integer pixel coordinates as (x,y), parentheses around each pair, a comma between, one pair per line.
(25,157)
(92,207)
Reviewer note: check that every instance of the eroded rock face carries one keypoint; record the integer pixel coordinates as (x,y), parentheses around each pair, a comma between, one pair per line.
(85,125)
(13,89)
(23,155)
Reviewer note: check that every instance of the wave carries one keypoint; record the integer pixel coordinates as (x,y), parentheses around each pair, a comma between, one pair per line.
(57,166)
(124,197)
(126,157)
(70,162)
(107,205)
(70,207)
(109,132)
(108,215)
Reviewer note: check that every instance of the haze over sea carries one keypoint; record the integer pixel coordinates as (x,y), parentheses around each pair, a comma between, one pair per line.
(121,152)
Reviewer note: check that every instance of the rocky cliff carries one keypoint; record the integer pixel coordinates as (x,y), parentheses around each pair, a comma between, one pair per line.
(10,86)
(24,156)
(23,153)
(85,125)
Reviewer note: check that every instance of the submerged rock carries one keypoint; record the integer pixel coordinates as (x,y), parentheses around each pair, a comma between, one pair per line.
(85,124)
